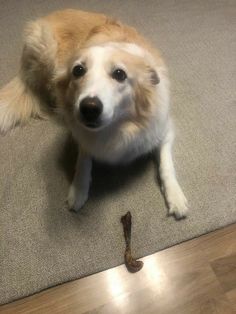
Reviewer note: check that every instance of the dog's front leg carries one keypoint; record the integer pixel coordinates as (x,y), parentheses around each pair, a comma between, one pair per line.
(174,195)
(79,189)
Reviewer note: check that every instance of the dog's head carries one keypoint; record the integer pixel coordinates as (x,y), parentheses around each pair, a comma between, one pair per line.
(107,83)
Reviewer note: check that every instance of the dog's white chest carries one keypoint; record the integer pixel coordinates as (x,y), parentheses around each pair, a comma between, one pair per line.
(119,147)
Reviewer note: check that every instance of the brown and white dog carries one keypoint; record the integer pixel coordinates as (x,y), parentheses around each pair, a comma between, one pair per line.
(109,84)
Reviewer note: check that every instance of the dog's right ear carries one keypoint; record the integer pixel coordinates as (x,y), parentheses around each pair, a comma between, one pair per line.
(154,78)
(61,78)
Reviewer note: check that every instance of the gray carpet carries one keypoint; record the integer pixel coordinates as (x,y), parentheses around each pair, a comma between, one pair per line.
(42,244)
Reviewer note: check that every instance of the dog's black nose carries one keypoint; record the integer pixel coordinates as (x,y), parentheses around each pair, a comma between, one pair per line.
(90,109)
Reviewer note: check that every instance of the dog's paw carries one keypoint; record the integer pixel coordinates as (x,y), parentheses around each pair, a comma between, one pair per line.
(177,202)
(76,198)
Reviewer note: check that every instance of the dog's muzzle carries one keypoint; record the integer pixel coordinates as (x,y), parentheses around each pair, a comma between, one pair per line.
(90,111)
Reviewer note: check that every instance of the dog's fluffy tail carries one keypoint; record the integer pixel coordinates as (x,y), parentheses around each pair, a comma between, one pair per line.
(22,97)
(17,104)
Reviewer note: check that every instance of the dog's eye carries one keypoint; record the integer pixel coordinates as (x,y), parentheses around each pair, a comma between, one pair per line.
(119,75)
(78,71)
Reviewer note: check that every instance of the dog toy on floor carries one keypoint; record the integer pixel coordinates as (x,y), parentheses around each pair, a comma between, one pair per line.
(132,265)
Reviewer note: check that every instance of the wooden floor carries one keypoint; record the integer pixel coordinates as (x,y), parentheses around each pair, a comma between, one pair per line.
(198,276)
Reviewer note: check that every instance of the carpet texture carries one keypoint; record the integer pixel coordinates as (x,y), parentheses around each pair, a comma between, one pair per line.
(41,243)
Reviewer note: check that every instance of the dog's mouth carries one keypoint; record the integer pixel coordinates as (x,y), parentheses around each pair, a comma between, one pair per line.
(92,125)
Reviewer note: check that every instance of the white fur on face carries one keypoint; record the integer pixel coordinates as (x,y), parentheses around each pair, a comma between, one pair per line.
(99,83)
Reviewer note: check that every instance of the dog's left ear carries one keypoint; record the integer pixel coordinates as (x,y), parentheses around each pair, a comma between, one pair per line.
(154,78)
